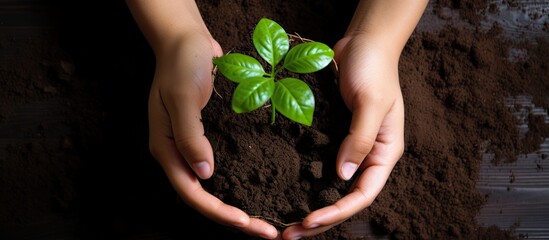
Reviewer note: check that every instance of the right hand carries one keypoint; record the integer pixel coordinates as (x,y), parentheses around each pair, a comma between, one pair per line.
(181,88)
(369,85)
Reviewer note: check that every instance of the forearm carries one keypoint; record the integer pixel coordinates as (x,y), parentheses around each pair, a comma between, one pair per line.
(388,23)
(165,22)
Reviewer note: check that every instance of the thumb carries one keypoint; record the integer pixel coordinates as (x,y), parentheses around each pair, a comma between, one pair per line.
(360,140)
(188,133)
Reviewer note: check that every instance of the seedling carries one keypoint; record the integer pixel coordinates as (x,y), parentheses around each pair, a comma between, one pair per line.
(291,97)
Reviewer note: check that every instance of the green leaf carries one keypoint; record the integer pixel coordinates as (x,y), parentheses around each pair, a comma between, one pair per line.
(237,67)
(308,57)
(252,93)
(294,99)
(270,41)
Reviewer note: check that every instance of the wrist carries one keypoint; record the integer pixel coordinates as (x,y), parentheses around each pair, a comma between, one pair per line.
(166,23)
(171,45)
(387,24)
(386,50)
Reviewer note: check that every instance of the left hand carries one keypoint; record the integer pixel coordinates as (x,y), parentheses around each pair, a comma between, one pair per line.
(369,83)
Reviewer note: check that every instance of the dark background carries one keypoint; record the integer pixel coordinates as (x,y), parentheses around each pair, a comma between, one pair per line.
(73,134)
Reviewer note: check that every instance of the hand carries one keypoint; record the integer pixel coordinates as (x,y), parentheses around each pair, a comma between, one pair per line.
(369,83)
(181,88)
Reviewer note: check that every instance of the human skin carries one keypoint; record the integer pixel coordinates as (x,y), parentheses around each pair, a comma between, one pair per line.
(367,58)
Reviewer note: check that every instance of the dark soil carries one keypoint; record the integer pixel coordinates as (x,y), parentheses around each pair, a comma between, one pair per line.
(74,161)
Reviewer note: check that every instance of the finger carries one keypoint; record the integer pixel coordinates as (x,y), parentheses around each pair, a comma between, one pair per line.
(298,231)
(376,168)
(363,131)
(368,186)
(258,227)
(188,131)
(215,209)
(188,187)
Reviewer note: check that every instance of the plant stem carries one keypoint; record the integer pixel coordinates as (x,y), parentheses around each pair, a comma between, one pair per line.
(273,113)
(277,71)
(273,109)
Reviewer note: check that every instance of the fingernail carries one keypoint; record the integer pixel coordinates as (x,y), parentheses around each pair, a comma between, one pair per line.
(348,170)
(202,169)
(314,225)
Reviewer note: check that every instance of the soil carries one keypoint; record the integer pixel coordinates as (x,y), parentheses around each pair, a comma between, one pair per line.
(74,160)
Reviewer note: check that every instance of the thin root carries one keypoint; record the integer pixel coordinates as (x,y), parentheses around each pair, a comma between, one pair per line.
(276,222)
(297,36)
(214,74)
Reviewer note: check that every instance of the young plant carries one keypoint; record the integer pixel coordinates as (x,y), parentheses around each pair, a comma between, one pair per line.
(289,96)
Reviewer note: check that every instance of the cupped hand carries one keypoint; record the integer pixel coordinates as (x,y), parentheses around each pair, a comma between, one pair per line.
(369,84)
(181,88)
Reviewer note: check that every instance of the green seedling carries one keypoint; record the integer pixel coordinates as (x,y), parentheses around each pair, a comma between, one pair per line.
(291,97)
